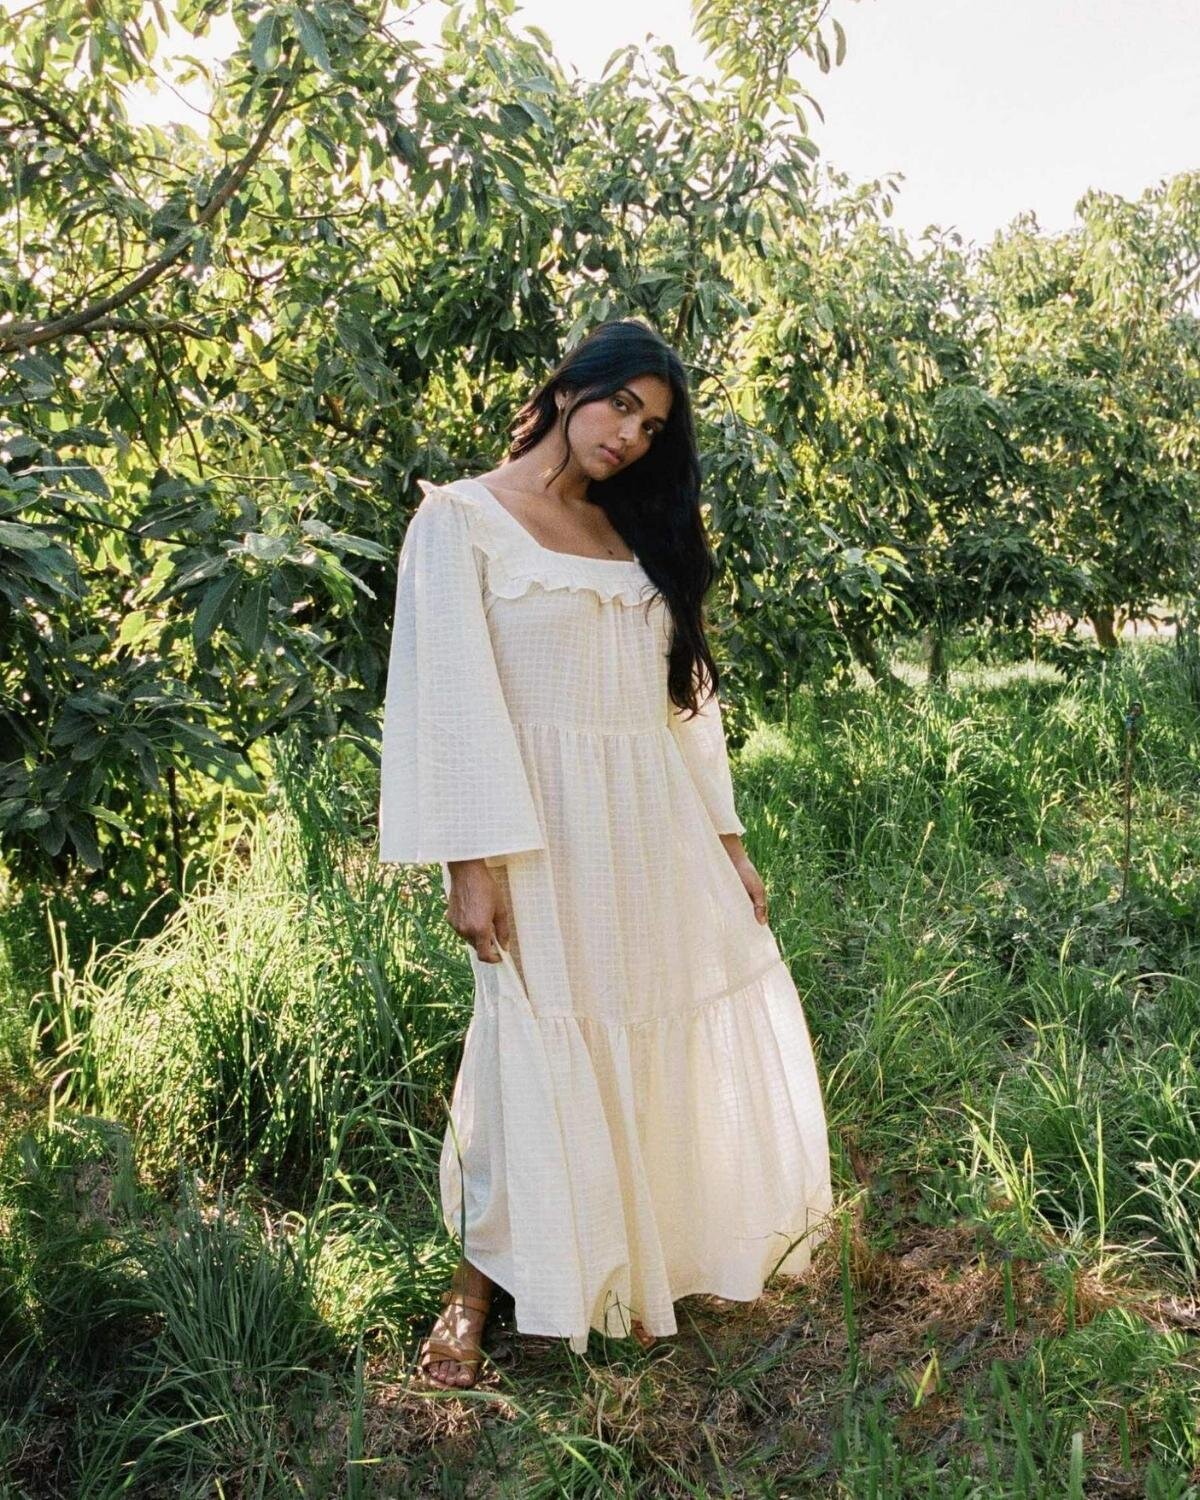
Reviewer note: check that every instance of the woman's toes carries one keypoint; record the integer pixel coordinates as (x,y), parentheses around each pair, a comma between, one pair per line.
(449,1373)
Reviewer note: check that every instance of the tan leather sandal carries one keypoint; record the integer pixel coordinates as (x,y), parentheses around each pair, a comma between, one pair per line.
(448,1347)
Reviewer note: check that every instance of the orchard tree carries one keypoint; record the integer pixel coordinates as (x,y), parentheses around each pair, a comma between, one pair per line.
(229,355)
(1096,349)
(868,367)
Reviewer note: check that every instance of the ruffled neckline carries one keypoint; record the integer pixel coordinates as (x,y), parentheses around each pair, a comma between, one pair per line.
(517,560)
(608,562)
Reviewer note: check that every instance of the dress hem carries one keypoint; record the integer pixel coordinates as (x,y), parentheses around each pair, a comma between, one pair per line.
(714,1285)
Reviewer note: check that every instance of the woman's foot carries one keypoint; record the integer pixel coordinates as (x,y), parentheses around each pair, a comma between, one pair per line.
(644,1339)
(450,1356)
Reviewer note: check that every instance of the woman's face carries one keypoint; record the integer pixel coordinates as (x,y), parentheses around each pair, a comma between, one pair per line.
(609,434)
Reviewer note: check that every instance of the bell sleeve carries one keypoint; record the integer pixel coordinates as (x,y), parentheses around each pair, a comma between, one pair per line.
(452,781)
(701,739)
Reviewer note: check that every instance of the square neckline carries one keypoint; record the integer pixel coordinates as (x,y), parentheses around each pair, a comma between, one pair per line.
(583,557)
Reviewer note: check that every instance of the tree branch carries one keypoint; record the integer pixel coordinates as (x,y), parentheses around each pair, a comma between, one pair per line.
(17,336)
(49,112)
(39,503)
(124,393)
(153,343)
(148,325)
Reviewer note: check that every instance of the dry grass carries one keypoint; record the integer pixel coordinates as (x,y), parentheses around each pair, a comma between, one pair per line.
(744,1387)
(753,1388)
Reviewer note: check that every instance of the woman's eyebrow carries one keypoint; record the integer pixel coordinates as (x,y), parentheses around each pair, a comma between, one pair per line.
(633,396)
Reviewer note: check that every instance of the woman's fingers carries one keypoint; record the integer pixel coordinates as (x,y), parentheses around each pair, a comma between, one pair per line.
(494,938)
(755,889)
(476,910)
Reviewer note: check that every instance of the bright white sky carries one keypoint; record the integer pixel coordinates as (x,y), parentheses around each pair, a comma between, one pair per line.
(987,107)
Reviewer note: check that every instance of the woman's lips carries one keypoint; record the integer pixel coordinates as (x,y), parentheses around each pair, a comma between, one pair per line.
(613,458)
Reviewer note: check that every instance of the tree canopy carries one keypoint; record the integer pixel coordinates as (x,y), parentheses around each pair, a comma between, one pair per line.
(228,355)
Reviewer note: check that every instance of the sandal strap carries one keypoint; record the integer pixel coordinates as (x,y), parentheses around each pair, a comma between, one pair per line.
(466,1299)
(461,1354)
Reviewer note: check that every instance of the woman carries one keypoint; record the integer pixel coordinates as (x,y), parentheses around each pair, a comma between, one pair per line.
(637,1114)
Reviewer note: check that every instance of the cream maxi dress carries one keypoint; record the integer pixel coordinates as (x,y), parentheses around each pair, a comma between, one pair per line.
(637,1115)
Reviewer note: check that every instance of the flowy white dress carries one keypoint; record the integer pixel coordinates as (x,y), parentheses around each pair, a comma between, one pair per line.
(637,1114)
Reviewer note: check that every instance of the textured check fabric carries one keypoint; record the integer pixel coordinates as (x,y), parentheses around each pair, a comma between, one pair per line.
(637,1115)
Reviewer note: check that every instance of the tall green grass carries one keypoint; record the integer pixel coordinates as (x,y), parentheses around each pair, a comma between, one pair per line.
(299,985)
(222,1218)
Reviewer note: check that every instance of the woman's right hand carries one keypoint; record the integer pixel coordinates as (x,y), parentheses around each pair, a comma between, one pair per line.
(475,908)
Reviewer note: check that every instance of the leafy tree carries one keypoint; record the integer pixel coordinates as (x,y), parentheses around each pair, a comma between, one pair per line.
(228,356)
(870,368)
(1097,353)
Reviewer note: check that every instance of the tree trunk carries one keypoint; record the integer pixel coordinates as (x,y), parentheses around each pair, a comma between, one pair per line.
(938,669)
(862,648)
(176,830)
(1101,621)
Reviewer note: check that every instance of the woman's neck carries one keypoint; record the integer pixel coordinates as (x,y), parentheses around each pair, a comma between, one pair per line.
(533,471)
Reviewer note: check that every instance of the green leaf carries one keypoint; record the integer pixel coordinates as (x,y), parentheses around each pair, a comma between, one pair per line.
(226,766)
(312,40)
(132,627)
(51,834)
(264,548)
(196,572)
(83,836)
(252,616)
(89,479)
(511,169)
(22,538)
(515,120)
(37,368)
(113,820)
(361,546)
(264,46)
(213,605)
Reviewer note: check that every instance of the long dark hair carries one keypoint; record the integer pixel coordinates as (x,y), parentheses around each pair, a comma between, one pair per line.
(654,504)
